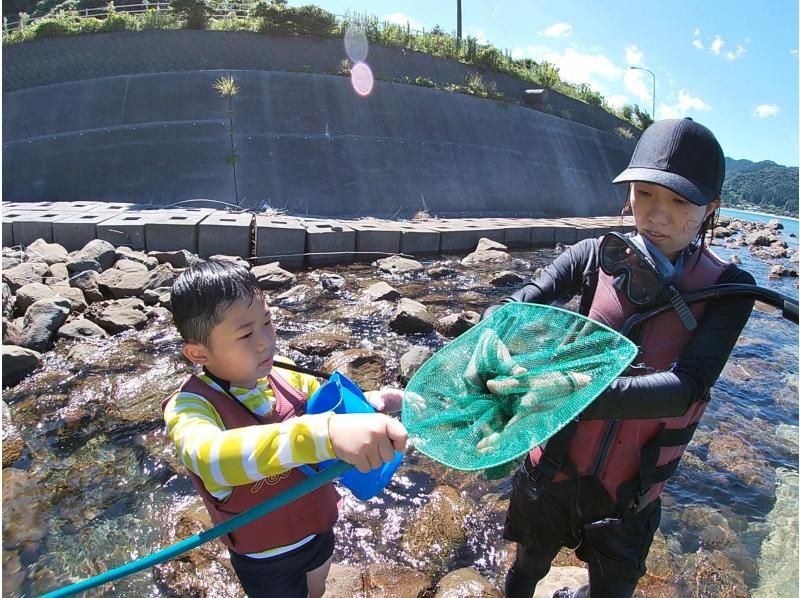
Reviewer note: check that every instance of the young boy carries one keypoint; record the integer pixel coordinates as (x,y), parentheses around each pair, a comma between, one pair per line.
(239,428)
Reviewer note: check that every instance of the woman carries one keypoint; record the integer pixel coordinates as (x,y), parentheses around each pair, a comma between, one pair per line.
(595,485)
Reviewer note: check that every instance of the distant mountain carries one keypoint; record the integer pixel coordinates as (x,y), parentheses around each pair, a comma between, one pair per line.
(764,186)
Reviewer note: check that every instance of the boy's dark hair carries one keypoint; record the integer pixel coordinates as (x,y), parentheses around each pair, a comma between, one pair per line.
(203,293)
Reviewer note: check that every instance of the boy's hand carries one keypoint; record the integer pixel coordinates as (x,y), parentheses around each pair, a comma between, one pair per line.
(385,400)
(366,440)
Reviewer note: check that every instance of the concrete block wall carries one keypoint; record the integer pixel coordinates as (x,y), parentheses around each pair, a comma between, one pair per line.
(293,241)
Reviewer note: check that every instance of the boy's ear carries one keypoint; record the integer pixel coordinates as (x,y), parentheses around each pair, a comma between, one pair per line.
(195,352)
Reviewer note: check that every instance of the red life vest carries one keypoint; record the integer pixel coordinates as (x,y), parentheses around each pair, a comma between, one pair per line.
(314,513)
(632,459)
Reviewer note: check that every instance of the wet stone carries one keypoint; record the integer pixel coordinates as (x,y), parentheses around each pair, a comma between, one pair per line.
(411,316)
(399,265)
(319,343)
(364,367)
(454,325)
(466,582)
(202,573)
(382,291)
(438,527)
(23,509)
(14,446)
(392,580)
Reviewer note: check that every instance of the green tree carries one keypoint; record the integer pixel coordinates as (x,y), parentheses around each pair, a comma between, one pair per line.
(196,13)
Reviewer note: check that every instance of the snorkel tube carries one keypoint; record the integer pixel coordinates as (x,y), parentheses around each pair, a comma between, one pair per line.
(787,305)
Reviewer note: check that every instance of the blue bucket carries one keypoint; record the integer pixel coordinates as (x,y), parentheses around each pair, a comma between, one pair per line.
(340,395)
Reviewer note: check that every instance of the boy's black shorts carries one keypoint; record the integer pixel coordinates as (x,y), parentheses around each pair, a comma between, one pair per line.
(283,575)
(541,518)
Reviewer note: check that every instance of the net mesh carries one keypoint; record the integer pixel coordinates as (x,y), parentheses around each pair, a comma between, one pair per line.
(509,384)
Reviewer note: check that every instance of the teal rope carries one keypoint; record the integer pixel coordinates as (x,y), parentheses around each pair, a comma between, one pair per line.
(170,552)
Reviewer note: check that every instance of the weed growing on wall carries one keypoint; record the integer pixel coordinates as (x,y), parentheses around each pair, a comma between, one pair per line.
(227,88)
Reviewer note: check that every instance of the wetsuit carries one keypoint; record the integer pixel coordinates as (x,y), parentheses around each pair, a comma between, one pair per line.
(543,515)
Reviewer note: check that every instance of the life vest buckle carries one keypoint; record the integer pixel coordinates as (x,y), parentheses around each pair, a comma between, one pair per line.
(604,522)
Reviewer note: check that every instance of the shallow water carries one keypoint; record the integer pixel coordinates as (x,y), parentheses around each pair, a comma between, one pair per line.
(102,480)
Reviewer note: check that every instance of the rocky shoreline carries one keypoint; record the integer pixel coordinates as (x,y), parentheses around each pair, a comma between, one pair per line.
(53,298)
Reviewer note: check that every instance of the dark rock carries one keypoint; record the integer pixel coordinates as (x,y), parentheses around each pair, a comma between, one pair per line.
(233,259)
(42,320)
(11,331)
(454,325)
(201,573)
(466,582)
(272,276)
(366,368)
(23,274)
(8,302)
(398,265)
(133,284)
(87,282)
(23,509)
(81,329)
(411,316)
(14,446)
(331,282)
(177,259)
(129,254)
(485,244)
(29,294)
(441,272)
(118,316)
(47,253)
(392,580)
(97,255)
(319,343)
(492,257)
(504,278)
(57,273)
(381,291)
(411,361)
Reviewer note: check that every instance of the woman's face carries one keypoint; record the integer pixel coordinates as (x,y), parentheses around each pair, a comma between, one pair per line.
(668,220)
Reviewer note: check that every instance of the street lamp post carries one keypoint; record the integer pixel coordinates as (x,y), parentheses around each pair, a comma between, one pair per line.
(638,68)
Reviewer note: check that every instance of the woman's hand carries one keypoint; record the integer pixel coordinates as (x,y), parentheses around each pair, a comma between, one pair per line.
(385,400)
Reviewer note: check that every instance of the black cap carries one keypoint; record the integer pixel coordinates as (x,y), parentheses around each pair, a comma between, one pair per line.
(681,155)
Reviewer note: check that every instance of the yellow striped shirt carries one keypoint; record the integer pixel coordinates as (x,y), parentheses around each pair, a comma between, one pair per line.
(227,458)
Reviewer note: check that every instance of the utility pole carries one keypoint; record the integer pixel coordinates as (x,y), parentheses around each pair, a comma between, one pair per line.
(458,17)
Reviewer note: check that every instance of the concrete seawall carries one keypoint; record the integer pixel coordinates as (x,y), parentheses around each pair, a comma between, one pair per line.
(306,143)
(294,242)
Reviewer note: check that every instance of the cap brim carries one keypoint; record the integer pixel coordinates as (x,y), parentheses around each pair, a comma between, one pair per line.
(697,194)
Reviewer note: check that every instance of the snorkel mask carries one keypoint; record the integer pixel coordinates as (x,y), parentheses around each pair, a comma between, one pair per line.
(645,274)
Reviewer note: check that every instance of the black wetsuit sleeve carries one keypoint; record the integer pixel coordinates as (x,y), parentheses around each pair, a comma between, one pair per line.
(563,278)
(671,393)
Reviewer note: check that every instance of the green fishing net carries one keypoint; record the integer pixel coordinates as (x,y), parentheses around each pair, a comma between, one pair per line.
(509,384)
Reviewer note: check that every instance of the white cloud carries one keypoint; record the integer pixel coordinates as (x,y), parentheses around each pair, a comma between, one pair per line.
(558,30)
(697,44)
(793,51)
(686,102)
(639,84)
(696,31)
(398,18)
(716,45)
(517,53)
(766,110)
(617,101)
(480,36)
(633,55)
(738,53)
(576,67)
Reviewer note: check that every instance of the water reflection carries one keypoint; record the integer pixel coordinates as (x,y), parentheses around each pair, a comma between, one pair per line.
(99,485)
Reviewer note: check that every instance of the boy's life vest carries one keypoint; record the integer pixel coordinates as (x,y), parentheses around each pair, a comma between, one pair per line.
(314,513)
(630,460)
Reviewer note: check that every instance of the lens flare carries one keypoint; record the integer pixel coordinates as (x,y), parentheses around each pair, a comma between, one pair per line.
(355,43)
(361,78)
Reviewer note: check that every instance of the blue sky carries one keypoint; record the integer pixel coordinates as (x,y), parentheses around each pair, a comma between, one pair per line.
(729,64)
